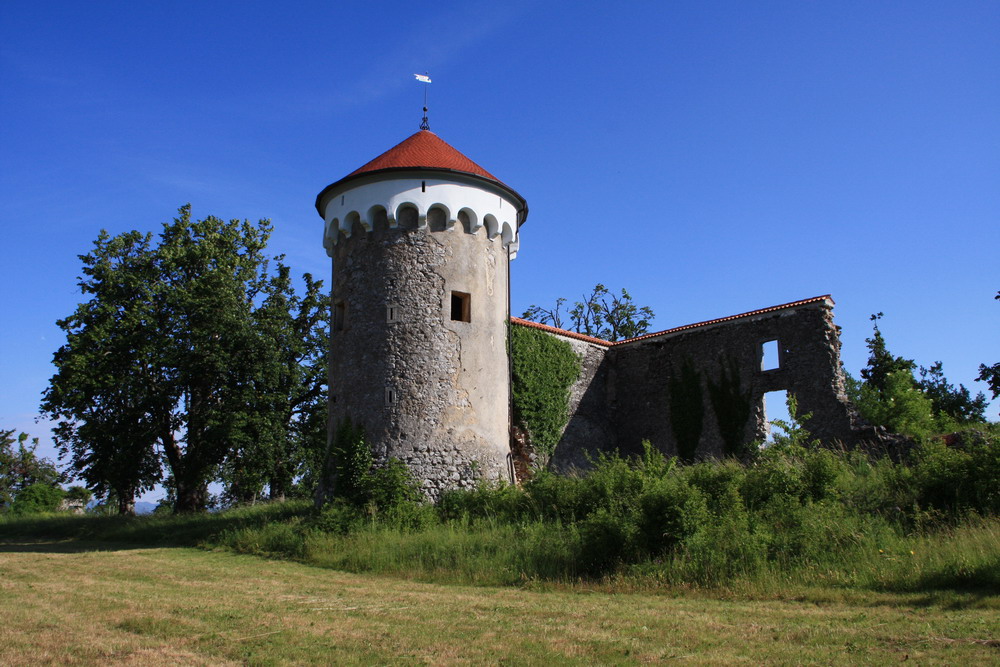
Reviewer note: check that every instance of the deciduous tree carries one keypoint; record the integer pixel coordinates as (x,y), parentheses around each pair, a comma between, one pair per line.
(176,358)
(22,468)
(289,394)
(991,374)
(602,314)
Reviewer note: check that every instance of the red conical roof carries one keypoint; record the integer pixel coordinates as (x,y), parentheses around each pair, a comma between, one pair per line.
(423,150)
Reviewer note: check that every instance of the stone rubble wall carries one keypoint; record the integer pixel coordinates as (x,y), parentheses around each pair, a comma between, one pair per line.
(588,430)
(809,368)
(449,420)
(623,394)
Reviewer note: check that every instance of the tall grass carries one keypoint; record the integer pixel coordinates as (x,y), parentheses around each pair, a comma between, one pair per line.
(795,516)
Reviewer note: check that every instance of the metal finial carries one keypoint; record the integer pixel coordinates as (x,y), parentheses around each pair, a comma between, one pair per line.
(424,79)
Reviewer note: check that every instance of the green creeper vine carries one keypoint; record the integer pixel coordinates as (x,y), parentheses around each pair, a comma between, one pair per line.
(687,410)
(732,408)
(544,369)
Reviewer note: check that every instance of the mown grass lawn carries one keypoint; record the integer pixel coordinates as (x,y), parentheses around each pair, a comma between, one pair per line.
(73,602)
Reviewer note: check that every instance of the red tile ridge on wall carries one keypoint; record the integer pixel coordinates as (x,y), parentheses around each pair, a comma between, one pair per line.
(605,343)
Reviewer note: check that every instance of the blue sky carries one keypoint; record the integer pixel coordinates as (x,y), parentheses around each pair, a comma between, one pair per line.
(711,157)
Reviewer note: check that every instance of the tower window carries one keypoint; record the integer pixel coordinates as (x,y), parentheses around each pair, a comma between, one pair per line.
(461,307)
(390,397)
(339,314)
(392,313)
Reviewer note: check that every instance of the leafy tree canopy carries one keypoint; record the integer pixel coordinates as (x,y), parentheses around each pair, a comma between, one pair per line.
(954,402)
(601,314)
(991,374)
(881,362)
(22,468)
(179,357)
(891,396)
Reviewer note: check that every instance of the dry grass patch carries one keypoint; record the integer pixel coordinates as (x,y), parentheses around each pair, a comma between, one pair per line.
(78,603)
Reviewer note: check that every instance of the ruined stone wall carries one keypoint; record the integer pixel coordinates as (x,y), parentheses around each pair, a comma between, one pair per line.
(588,429)
(724,359)
(428,390)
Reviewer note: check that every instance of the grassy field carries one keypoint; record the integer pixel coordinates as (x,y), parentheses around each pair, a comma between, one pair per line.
(79,602)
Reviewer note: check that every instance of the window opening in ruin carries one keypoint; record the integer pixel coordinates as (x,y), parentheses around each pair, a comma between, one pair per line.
(775,407)
(461,307)
(339,313)
(392,313)
(769,356)
(390,396)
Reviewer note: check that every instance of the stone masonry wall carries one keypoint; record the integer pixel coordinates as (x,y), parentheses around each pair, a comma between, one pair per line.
(624,393)
(588,430)
(428,390)
(640,375)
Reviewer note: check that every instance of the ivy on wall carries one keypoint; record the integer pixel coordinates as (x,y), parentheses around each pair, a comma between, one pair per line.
(687,409)
(544,369)
(732,408)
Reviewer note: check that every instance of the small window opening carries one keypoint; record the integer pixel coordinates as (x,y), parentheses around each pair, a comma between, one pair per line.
(339,313)
(769,356)
(392,313)
(465,221)
(461,307)
(775,408)
(437,221)
(423,186)
(407,218)
(390,396)
(341,200)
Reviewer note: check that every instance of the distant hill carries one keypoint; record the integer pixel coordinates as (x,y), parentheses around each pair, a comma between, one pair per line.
(141,507)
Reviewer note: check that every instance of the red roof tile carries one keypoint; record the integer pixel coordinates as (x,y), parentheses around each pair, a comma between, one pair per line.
(599,341)
(751,313)
(423,150)
(560,332)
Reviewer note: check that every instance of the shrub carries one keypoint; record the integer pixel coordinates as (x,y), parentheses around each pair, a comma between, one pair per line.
(961,478)
(720,482)
(339,517)
(774,474)
(493,501)
(390,485)
(361,482)
(670,510)
(724,547)
(36,498)
(607,539)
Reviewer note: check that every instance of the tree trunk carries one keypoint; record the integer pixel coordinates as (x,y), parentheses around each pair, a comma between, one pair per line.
(191,490)
(126,501)
(192,496)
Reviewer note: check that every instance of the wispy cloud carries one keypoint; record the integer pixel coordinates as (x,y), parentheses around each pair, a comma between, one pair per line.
(426,45)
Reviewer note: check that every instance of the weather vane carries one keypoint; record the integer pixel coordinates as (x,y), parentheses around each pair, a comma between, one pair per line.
(424,79)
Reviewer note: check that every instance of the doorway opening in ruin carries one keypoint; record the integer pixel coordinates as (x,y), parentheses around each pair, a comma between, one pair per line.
(775,407)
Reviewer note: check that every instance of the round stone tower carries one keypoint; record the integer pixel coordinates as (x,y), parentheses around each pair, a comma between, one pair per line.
(421,239)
